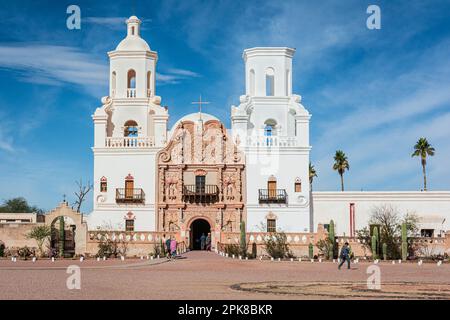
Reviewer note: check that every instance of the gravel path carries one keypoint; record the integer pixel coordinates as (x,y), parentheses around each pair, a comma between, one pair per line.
(198,275)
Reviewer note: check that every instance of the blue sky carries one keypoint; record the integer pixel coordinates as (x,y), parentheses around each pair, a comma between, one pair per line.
(372,93)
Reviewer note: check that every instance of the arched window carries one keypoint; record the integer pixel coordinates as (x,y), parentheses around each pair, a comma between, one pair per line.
(252,82)
(149,88)
(132,31)
(131,83)
(131,129)
(103,184)
(113,83)
(269,127)
(298,185)
(270,82)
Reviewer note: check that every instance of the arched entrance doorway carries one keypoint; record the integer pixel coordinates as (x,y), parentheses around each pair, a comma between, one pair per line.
(198,227)
(63,236)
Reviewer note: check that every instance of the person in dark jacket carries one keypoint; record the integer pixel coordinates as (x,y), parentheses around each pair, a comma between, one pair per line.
(345,256)
(168,255)
(202,242)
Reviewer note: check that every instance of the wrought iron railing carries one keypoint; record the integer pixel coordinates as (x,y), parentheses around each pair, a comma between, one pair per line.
(272,196)
(125,195)
(202,193)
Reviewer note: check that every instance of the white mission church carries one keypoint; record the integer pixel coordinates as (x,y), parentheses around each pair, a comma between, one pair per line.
(198,176)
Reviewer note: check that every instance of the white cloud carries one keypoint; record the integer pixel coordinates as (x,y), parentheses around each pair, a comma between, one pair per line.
(53,65)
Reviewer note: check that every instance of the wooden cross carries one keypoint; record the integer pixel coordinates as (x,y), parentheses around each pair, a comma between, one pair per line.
(200,103)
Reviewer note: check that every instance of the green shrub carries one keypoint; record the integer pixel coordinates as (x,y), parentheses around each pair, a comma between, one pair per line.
(2,250)
(276,245)
(232,249)
(24,252)
(326,247)
(254,250)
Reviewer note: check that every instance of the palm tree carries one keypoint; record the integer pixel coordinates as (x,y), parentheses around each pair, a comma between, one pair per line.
(312,174)
(422,148)
(341,164)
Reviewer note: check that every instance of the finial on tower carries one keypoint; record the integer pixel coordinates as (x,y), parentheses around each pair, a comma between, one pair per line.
(133,26)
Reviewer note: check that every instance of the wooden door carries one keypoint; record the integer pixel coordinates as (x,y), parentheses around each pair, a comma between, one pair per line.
(129,188)
(272,187)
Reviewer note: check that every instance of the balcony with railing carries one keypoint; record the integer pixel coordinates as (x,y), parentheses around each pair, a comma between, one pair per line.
(129,142)
(200,194)
(272,196)
(129,195)
(271,141)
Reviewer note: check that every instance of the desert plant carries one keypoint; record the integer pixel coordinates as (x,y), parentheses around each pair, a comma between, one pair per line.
(326,247)
(232,249)
(276,245)
(332,238)
(24,252)
(61,236)
(2,250)
(254,250)
(243,242)
(374,247)
(41,234)
(311,251)
(404,242)
(384,251)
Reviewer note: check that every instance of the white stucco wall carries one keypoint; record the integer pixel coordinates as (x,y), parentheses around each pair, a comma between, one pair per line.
(115,165)
(431,205)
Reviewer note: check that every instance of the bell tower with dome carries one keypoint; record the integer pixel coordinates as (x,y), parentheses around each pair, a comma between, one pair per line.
(130,128)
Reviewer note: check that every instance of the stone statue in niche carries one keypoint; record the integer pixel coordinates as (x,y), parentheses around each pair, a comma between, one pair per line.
(229,186)
(171,185)
(212,140)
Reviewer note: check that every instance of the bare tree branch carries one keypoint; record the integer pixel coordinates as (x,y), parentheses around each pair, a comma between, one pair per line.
(81,193)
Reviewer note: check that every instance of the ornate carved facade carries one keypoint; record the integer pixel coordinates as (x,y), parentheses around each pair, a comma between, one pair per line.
(200,176)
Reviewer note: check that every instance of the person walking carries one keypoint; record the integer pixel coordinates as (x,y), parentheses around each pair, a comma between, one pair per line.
(208,242)
(173,247)
(168,242)
(345,256)
(202,242)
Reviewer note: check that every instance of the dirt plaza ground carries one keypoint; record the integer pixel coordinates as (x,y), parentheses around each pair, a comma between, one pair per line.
(206,275)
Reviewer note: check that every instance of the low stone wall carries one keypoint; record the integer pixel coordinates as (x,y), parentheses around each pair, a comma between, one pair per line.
(427,247)
(14,235)
(136,243)
(298,242)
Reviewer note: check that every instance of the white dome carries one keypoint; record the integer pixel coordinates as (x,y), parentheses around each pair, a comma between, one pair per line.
(133,43)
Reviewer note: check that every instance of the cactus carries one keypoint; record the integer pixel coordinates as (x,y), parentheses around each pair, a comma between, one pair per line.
(331,236)
(311,251)
(384,251)
(254,250)
(243,242)
(374,247)
(61,237)
(404,242)
(375,242)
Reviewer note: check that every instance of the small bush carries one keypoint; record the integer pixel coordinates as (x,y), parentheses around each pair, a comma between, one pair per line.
(2,250)
(276,246)
(232,249)
(24,252)
(325,247)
